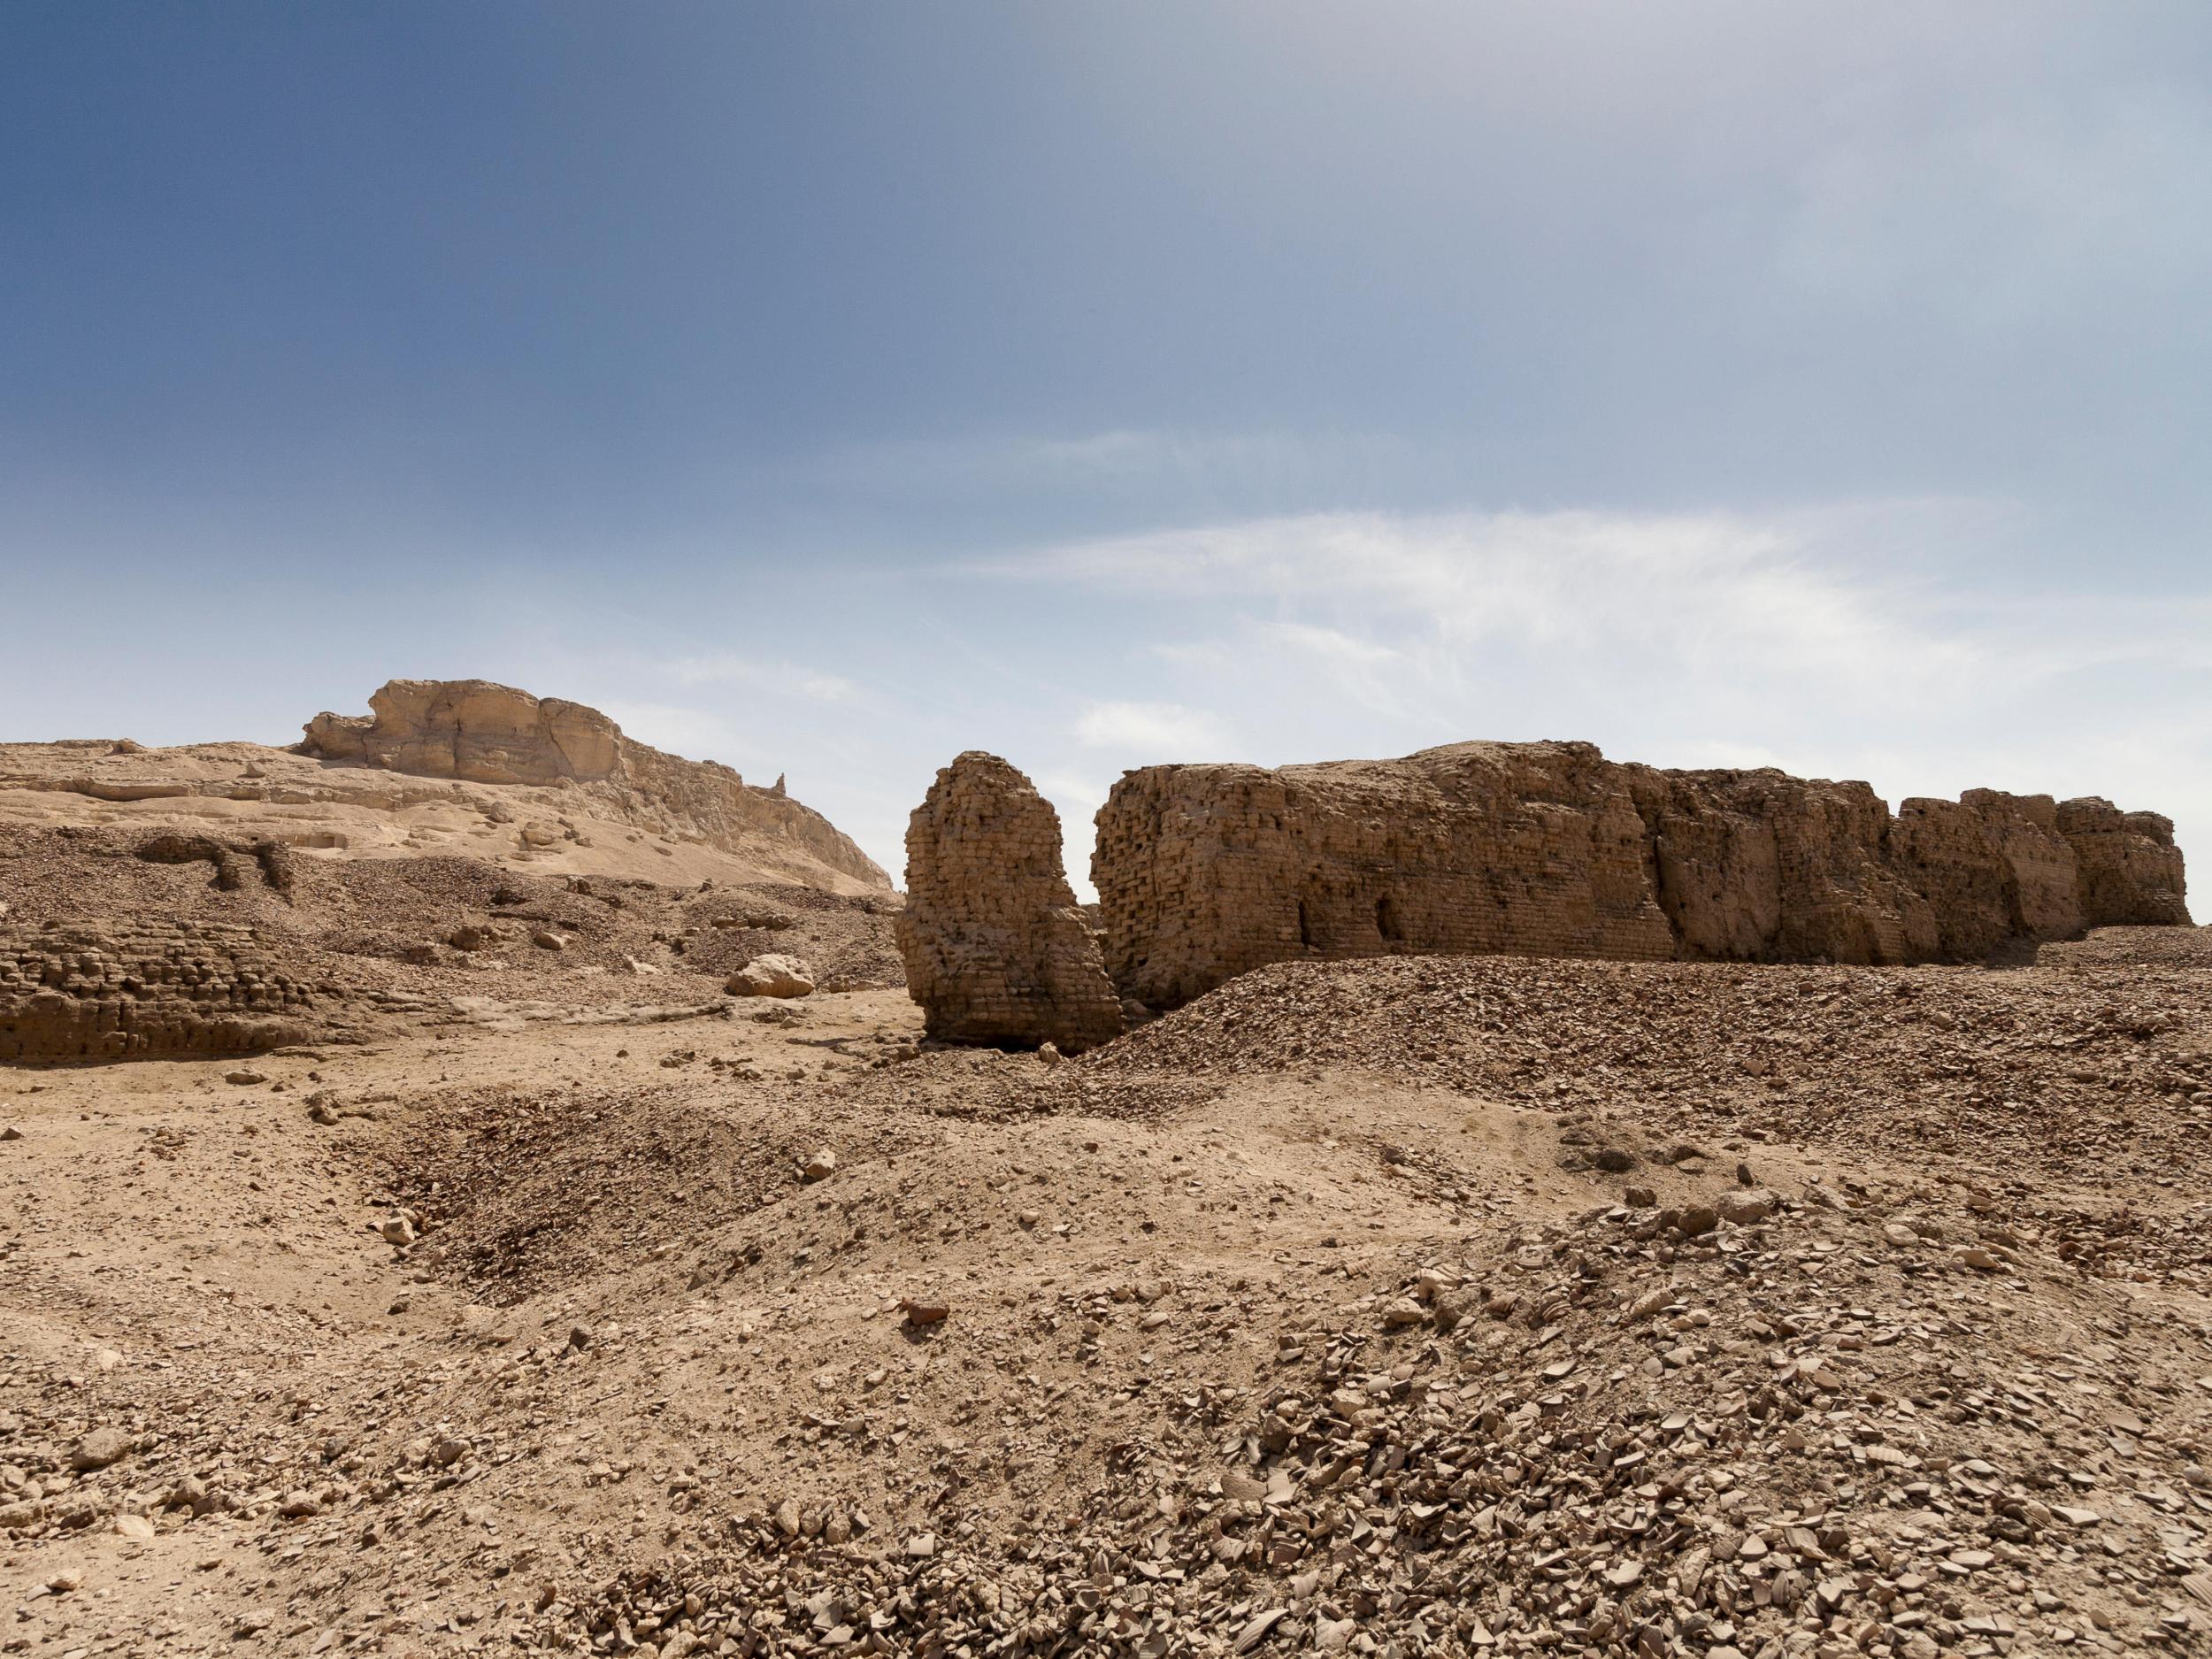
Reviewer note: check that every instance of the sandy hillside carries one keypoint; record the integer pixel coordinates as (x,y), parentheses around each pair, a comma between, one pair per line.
(465,768)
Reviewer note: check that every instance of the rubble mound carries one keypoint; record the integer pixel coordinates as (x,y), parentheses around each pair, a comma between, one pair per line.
(996,950)
(1406,1306)
(1206,871)
(2023,1066)
(115,944)
(1748,1426)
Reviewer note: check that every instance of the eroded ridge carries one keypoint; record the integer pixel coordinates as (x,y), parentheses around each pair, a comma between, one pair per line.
(477,732)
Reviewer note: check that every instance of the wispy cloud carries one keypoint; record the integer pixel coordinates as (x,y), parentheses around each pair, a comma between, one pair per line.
(1158,731)
(1706,593)
(793,679)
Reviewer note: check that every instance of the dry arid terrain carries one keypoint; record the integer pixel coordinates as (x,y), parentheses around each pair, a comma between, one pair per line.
(455,1258)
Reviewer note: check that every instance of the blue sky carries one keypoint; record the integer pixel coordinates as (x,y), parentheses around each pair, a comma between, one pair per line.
(826,390)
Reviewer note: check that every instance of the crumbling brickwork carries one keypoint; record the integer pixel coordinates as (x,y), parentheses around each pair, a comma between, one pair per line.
(136,990)
(996,951)
(2131,870)
(1205,871)
(1762,866)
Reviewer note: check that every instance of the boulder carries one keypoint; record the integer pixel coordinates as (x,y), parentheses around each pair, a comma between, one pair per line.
(772,975)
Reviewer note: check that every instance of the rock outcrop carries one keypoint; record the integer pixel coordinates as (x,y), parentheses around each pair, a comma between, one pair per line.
(476,732)
(996,950)
(1205,871)
(144,989)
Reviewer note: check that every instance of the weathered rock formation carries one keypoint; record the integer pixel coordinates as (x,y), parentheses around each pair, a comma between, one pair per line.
(477,732)
(1205,871)
(142,990)
(996,950)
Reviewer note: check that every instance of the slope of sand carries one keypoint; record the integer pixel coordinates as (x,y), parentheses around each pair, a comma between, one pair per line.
(1414,1306)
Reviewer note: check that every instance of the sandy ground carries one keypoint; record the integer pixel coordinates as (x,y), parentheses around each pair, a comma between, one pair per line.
(1481,1306)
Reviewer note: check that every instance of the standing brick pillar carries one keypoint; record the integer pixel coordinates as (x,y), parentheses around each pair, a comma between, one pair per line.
(996,951)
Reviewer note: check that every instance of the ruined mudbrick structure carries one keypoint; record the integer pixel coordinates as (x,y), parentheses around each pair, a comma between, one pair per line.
(996,950)
(1205,871)
(139,990)
(1550,849)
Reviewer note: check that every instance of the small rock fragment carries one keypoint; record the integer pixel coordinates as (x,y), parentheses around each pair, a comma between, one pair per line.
(98,1448)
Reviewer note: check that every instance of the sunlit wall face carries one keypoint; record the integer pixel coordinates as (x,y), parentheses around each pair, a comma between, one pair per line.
(829,390)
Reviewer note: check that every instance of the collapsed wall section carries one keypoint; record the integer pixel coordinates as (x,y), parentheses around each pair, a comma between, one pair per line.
(996,951)
(1205,871)
(142,990)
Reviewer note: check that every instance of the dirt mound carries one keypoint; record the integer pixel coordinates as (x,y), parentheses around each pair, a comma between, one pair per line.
(2089,1053)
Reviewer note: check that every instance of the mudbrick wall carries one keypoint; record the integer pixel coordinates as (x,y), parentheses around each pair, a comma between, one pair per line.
(995,949)
(482,733)
(1205,871)
(134,990)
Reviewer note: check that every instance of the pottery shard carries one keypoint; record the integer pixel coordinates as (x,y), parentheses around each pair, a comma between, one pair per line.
(773,975)
(996,950)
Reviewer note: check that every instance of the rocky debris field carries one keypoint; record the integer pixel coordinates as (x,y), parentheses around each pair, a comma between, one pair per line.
(383,944)
(2097,1052)
(1399,1307)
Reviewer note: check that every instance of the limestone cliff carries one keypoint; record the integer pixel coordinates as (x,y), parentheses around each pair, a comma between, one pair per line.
(477,732)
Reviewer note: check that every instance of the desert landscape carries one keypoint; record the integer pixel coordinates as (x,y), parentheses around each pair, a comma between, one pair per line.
(474,1183)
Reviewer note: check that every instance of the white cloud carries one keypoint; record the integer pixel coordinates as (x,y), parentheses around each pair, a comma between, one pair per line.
(1702,593)
(1157,730)
(764,673)
(1686,640)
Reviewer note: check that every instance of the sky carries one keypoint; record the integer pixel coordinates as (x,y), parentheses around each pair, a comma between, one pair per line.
(827,389)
